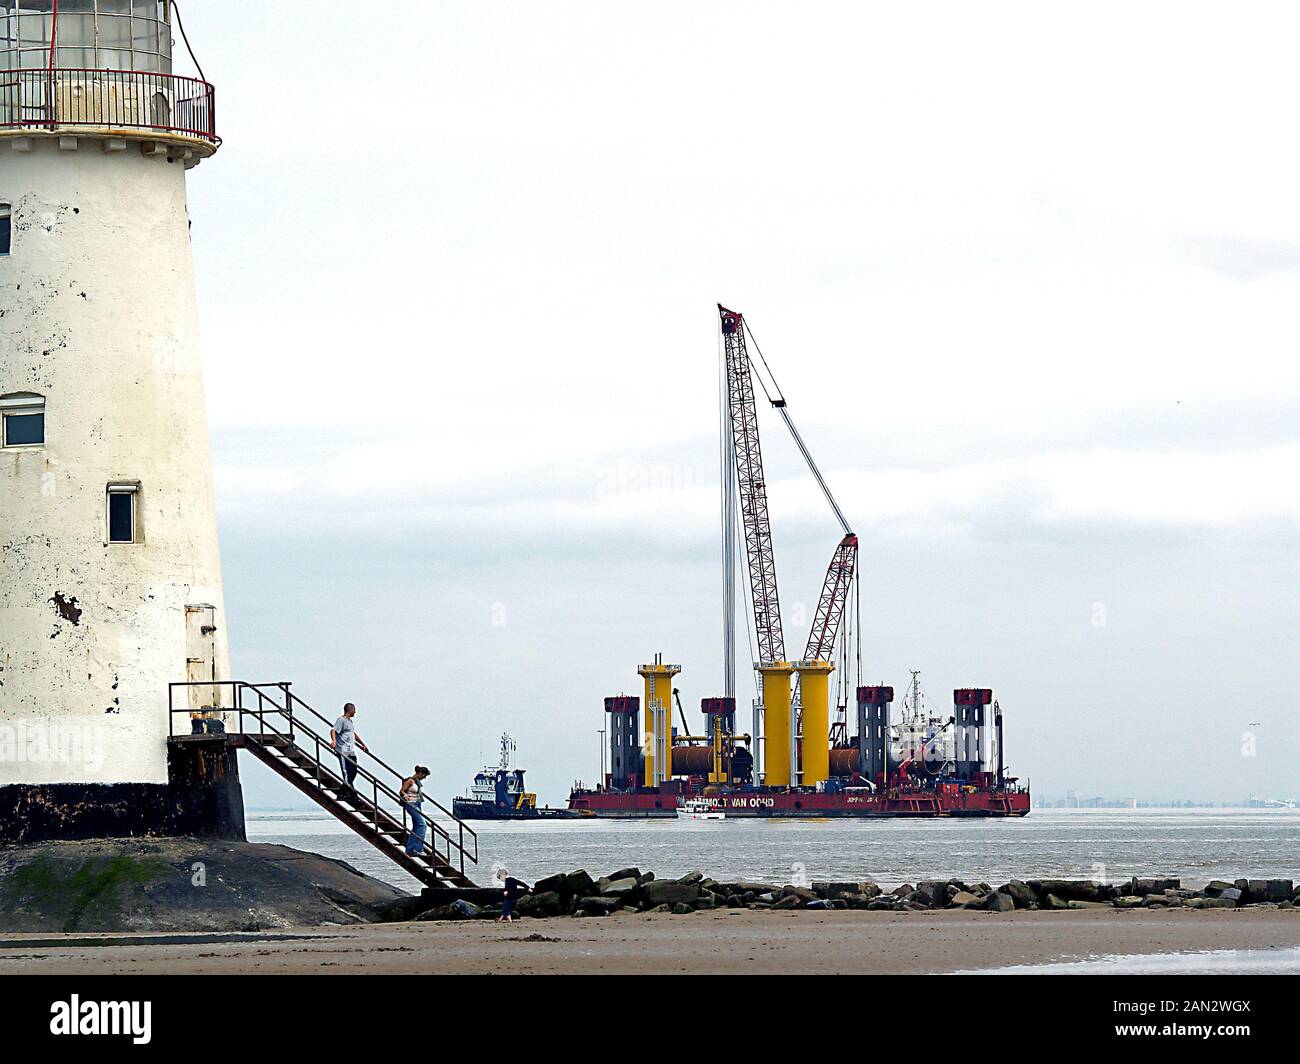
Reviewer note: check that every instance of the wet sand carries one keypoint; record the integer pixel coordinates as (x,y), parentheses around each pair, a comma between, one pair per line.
(718,942)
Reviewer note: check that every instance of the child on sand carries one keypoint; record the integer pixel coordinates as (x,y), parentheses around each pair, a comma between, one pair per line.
(514,890)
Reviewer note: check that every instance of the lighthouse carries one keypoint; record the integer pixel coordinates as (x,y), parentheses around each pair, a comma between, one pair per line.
(110,571)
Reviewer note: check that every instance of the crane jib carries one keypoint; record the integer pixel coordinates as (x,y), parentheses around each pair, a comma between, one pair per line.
(752,490)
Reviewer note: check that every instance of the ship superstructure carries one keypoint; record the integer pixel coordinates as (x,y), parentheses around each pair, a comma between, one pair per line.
(498,791)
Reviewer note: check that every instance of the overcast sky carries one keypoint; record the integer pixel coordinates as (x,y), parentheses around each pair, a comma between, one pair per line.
(1028,273)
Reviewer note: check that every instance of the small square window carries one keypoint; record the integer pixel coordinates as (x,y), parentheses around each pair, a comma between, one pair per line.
(24,430)
(22,420)
(6,228)
(122,524)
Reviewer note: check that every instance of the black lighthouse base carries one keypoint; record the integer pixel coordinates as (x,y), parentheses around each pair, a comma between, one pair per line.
(202,798)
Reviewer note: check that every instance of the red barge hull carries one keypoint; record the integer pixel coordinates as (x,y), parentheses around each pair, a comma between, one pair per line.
(790,804)
(629,805)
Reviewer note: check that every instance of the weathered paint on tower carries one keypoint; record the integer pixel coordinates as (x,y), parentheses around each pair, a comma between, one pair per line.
(108,533)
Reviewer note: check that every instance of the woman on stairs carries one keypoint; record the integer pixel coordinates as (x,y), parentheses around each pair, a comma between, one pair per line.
(412,799)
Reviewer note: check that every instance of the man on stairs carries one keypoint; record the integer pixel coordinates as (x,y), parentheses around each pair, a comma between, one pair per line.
(345,740)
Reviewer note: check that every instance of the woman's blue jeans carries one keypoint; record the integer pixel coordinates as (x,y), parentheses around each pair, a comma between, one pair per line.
(419,826)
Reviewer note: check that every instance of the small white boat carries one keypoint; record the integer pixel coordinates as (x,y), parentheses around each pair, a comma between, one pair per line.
(701,809)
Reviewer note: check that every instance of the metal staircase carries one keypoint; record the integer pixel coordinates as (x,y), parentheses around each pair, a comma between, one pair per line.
(292,739)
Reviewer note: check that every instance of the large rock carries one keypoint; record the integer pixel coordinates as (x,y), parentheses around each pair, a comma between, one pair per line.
(627,873)
(1071,889)
(938,890)
(836,889)
(402,909)
(1279,890)
(962,899)
(665,892)
(180,884)
(1021,894)
(926,895)
(540,905)
(1151,886)
(600,905)
(457,910)
(757,889)
(999,902)
(1260,891)
(580,883)
(620,888)
(557,884)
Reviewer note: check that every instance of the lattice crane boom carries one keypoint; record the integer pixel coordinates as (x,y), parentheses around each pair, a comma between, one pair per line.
(830,606)
(752,490)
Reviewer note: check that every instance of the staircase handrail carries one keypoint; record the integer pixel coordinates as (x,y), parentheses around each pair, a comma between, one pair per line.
(293,699)
(238,687)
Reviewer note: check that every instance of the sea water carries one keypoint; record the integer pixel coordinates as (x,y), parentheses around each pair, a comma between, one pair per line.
(1193,845)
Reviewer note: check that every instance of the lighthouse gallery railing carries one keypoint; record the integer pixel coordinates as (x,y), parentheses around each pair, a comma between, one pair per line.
(107,100)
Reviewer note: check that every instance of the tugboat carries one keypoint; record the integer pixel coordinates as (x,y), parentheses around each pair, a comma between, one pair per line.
(498,793)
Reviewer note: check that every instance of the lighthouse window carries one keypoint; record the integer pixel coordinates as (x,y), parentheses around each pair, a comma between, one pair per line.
(122,525)
(91,35)
(22,420)
(6,228)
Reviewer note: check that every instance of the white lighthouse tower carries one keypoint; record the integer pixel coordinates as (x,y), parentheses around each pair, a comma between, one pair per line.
(110,574)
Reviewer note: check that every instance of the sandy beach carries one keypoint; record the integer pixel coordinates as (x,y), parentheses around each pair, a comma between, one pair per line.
(719,942)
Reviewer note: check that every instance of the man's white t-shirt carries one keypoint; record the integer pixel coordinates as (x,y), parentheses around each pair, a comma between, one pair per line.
(345,737)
